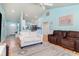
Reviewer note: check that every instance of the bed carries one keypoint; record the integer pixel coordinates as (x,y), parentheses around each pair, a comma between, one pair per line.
(29,38)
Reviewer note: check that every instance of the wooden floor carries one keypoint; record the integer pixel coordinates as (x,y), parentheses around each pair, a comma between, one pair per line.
(45,49)
(15,44)
(45,38)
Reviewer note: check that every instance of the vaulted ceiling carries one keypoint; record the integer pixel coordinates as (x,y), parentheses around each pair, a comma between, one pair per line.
(31,11)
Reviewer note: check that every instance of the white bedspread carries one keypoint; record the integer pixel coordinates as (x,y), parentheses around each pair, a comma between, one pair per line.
(28,38)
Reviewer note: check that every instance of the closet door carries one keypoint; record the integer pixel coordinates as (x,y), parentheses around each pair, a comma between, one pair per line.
(0,25)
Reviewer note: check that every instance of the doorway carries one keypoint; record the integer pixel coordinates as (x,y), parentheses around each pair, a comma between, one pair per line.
(45,31)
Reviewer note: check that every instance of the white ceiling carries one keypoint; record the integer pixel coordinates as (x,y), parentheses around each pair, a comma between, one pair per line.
(31,11)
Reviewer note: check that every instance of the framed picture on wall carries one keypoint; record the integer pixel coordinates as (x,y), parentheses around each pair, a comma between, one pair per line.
(66,20)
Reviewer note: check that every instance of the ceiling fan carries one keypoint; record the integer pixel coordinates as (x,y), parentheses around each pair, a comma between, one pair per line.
(44,5)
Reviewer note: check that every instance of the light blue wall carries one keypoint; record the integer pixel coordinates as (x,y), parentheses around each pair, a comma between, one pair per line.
(8,26)
(55,13)
(10,21)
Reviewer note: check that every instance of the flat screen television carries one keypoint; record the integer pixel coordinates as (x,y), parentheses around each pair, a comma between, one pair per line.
(0,25)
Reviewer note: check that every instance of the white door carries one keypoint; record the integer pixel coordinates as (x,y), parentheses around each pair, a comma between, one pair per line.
(45,31)
(45,28)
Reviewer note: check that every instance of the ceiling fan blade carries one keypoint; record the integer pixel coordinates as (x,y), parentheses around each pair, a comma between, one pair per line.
(43,6)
